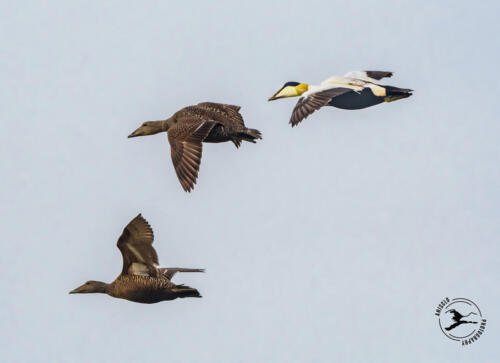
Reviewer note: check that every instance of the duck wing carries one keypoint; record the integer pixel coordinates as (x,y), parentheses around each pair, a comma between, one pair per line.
(369,76)
(222,106)
(227,115)
(169,272)
(136,246)
(314,101)
(185,138)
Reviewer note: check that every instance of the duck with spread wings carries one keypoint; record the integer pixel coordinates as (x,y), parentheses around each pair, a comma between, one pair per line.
(353,91)
(189,127)
(141,280)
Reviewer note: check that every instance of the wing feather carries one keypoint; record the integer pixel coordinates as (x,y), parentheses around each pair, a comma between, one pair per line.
(136,246)
(369,76)
(228,115)
(186,152)
(169,272)
(313,102)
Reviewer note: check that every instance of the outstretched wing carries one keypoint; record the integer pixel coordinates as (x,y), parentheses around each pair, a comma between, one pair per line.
(136,246)
(313,102)
(169,272)
(186,149)
(369,76)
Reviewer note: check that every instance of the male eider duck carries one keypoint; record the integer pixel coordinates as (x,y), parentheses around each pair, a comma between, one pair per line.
(192,125)
(140,280)
(354,91)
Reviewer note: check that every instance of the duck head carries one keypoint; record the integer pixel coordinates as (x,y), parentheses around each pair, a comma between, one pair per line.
(91,287)
(150,128)
(290,89)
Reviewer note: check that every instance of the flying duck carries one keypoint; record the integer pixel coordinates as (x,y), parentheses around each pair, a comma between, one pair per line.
(192,125)
(141,280)
(354,91)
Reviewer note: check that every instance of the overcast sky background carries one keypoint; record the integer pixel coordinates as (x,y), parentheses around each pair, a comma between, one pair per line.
(331,241)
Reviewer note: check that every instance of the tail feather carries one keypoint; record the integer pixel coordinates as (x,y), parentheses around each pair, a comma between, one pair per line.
(183,291)
(249,135)
(395,93)
(256,134)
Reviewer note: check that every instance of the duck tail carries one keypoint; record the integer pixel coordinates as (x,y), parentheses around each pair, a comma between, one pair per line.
(183,291)
(249,135)
(395,93)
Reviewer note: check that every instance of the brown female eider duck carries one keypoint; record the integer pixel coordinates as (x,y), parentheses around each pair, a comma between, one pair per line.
(192,125)
(140,280)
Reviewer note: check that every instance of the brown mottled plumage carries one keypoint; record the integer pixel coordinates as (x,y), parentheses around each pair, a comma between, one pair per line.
(189,127)
(140,280)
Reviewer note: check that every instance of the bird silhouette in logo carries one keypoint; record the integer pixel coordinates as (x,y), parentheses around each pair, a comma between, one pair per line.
(457,318)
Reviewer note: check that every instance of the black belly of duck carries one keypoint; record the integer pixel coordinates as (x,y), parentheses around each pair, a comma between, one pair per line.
(359,100)
(356,101)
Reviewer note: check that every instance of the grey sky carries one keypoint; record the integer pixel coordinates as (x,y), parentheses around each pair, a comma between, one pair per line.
(331,241)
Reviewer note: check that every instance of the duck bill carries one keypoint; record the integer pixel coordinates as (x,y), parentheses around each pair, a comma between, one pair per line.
(75,291)
(138,132)
(275,96)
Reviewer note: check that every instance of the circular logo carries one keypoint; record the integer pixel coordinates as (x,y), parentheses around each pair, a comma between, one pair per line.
(460,319)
